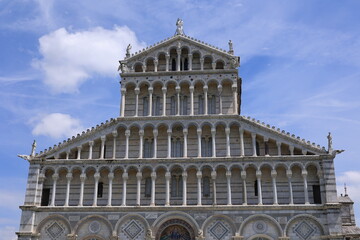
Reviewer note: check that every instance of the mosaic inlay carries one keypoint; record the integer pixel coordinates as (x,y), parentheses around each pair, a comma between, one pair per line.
(133,229)
(55,230)
(94,227)
(219,230)
(304,230)
(260,226)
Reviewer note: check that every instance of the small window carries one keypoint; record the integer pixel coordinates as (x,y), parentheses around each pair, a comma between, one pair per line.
(172,105)
(148,184)
(45,197)
(148,148)
(184,105)
(317,194)
(201,105)
(156,106)
(145,106)
(256,188)
(177,147)
(176,186)
(206,187)
(206,147)
(212,104)
(100,189)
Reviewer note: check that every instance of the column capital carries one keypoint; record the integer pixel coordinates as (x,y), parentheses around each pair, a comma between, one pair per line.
(167,175)
(205,88)
(191,88)
(137,91)
(213,131)
(167,55)
(213,175)
(184,174)
(169,131)
(123,90)
(155,132)
(241,130)
(69,176)
(198,131)
(202,60)
(273,173)
(304,151)
(289,173)
(278,143)
(266,139)
(111,176)
(151,90)
(320,174)
(79,147)
(156,61)
(228,174)
(304,173)
(41,177)
(153,175)
(127,133)
(103,138)
(258,174)
(220,88)
(164,89)
(243,175)
(125,176)
(114,133)
(97,176)
(227,130)
(91,143)
(253,135)
(141,132)
(55,176)
(185,131)
(138,175)
(199,174)
(190,55)
(82,177)
(291,148)
(177,89)
(234,87)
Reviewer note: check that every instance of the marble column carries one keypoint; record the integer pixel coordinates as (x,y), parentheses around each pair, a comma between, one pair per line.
(67,154)
(243,177)
(258,177)
(114,134)
(55,177)
(234,89)
(169,132)
(127,135)
(96,178)
(110,178)
(228,181)
(102,152)
(69,177)
(199,141)
(125,177)
(151,90)
(123,94)
(213,137)
(141,144)
(201,64)
(253,137)
(266,146)
(191,88)
(273,178)
(242,149)
(291,149)
(190,56)
(78,157)
(177,89)
(178,51)
(91,144)
(153,179)
(167,196)
(213,178)
(278,144)
(156,62)
(199,177)
(164,89)
(167,56)
(205,88)
(137,91)
(228,150)
(155,133)
(289,176)
(184,178)
(82,182)
(220,89)
(304,174)
(138,189)
(185,132)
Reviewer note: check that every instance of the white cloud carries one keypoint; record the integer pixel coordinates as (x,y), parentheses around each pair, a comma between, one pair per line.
(56,125)
(352,180)
(70,58)
(8,233)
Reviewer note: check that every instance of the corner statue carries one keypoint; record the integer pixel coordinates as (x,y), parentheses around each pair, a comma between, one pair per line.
(179,27)
(32,154)
(128,50)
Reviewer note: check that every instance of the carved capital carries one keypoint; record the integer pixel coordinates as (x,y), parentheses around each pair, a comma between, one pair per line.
(125,176)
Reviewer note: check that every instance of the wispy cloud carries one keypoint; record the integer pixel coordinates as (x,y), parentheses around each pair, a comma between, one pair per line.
(8,233)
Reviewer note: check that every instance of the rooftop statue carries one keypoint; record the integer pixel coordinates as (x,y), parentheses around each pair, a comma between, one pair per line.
(329,137)
(128,50)
(231,49)
(179,27)
(33,149)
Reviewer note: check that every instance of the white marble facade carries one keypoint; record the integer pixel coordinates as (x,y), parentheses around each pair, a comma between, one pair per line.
(181,163)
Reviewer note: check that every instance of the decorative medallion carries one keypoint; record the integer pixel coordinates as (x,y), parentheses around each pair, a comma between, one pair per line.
(133,229)
(260,226)
(94,227)
(304,230)
(55,230)
(219,230)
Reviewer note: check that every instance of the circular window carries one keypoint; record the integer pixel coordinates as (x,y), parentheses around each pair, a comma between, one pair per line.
(95,227)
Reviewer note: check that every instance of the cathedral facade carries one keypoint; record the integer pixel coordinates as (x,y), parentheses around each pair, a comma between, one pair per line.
(181,163)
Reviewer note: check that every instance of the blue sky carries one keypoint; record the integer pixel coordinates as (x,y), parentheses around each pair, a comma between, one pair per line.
(300,64)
